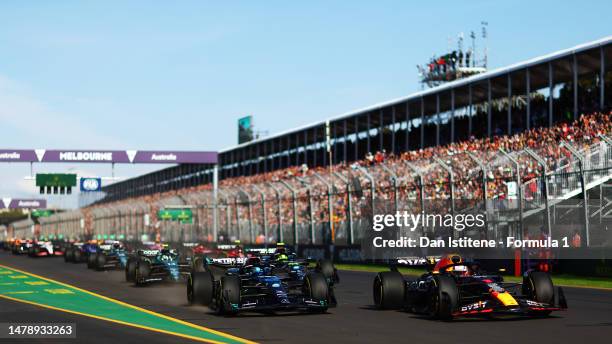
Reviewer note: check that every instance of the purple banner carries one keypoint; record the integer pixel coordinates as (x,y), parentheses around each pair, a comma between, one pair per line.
(17,155)
(174,157)
(110,156)
(85,156)
(23,203)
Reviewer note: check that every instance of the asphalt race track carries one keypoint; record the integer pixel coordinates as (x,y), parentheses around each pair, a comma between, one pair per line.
(589,318)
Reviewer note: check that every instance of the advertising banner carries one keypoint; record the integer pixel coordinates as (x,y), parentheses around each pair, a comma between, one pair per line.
(17,155)
(91,184)
(174,157)
(108,156)
(23,203)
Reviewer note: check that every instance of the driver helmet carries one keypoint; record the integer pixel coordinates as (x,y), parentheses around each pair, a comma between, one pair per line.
(282,257)
(450,259)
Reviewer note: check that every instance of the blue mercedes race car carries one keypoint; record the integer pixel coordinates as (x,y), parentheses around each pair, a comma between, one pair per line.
(264,283)
(109,255)
(155,265)
(79,252)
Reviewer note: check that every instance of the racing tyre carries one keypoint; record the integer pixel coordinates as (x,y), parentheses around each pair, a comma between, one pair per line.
(77,255)
(316,287)
(130,270)
(327,269)
(539,287)
(68,255)
(91,260)
(143,269)
(198,264)
(100,262)
(389,290)
(444,297)
(230,295)
(200,288)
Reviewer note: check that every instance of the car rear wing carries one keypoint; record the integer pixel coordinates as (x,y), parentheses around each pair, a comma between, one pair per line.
(226,261)
(148,253)
(426,261)
(261,251)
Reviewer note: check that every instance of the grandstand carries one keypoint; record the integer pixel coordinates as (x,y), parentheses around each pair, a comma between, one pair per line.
(530,145)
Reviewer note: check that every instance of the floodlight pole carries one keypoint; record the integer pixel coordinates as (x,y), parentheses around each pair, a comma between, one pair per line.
(215,201)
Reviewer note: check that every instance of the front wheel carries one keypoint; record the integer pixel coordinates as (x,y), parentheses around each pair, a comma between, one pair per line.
(230,295)
(130,270)
(538,286)
(200,287)
(389,290)
(316,288)
(444,297)
(143,270)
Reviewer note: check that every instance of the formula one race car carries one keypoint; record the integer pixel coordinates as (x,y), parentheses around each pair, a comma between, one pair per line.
(454,288)
(79,252)
(262,284)
(44,248)
(156,265)
(21,246)
(109,255)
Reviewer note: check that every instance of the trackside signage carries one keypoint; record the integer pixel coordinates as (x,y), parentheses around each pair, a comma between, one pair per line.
(17,155)
(23,203)
(109,156)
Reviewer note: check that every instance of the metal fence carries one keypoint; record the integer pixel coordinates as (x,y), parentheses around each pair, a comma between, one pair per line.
(519,192)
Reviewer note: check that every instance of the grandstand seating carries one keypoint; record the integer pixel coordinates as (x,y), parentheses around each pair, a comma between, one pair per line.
(299,200)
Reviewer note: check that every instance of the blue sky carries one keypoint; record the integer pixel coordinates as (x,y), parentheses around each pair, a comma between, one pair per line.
(177,75)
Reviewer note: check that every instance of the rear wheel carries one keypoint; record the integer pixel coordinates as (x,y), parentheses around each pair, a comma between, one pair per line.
(538,286)
(67,255)
(91,260)
(316,287)
(198,264)
(77,256)
(230,295)
(130,270)
(389,290)
(200,288)
(444,297)
(100,262)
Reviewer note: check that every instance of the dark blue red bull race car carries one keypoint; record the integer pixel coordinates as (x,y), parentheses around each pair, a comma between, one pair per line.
(454,288)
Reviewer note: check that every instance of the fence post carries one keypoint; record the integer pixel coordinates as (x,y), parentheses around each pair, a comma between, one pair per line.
(280,215)
(519,187)
(394,178)
(372,186)
(351,233)
(542,163)
(330,206)
(585,205)
(263,213)
(415,170)
(295,230)
(483,169)
(451,176)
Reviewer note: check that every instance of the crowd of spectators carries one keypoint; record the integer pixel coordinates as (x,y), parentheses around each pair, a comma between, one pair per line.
(403,179)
